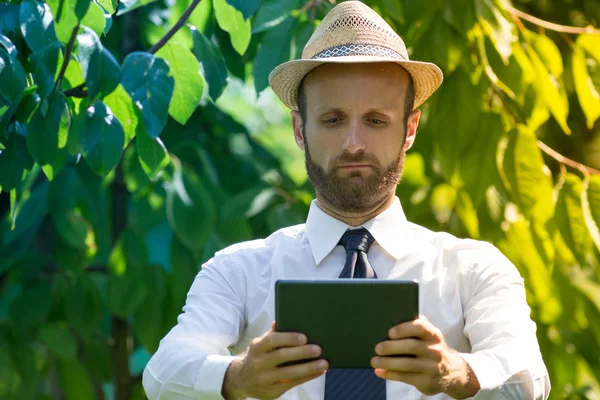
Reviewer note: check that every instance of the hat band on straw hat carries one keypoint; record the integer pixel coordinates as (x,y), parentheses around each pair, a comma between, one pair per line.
(359,50)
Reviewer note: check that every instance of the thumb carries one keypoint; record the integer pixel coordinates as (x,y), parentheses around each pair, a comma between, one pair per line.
(273,327)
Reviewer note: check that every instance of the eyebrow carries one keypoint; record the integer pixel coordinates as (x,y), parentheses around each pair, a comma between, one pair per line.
(372,110)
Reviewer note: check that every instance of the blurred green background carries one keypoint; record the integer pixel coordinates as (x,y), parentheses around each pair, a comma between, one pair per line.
(129,155)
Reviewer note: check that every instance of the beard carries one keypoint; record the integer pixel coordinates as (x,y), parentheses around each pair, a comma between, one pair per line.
(357,192)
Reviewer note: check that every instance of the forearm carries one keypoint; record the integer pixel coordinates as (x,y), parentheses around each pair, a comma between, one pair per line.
(183,367)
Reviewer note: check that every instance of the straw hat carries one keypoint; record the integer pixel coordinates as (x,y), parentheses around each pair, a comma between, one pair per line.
(353,33)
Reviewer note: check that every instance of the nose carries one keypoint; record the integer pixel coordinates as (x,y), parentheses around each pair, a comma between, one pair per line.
(354,141)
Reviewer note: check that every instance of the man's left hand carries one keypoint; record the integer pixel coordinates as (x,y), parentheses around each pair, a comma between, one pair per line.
(417,354)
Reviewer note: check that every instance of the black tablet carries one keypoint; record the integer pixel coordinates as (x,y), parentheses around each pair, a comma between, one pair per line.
(346,317)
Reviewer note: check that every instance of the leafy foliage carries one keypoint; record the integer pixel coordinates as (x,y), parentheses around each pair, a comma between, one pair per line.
(122,170)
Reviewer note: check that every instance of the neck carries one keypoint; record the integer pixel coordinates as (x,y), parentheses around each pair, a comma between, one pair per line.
(354,219)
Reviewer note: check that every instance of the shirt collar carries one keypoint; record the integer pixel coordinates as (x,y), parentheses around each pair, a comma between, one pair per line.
(324,231)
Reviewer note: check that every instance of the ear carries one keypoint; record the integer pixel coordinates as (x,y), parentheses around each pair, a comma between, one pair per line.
(411,128)
(297,125)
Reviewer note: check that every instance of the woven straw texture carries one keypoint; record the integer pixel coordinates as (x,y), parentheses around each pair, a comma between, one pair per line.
(353,33)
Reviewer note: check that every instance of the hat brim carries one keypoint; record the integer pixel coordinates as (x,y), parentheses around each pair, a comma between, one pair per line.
(286,78)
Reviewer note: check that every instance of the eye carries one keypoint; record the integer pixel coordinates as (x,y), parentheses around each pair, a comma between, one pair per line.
(376,121)
(332,120)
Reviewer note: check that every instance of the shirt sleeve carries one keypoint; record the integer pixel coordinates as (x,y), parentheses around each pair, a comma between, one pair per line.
(192,359)
(505,354)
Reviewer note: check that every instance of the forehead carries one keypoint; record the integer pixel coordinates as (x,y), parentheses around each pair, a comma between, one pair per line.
(357,83)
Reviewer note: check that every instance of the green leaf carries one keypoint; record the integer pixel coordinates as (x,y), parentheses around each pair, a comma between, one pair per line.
(232,21)
(145,77)
(94,19)
(31,307)
(63,192)
(586,92)
(9,18)
(36,25)
(498,28)
(271,13)
(152,154)
(100,69)
(10,48)
(126,293)
(248,203)
(247,7)
(185,70)
(548,52)
(75,380)
(102,139)
(212,62)
(274,49)
(73,229)
(14,160)
(590,200)
(150,318)
(82,304)
(48,132)
(570,221)
(109,5)
(27,214)
(190,210)
(521,166)
(59,340)
(65,18)
(126,6)
(45,63)
(122,106)
(284,215)
(12,76)
(549,91)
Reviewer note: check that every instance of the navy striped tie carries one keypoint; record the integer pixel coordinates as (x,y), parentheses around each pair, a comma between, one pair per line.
(355,384)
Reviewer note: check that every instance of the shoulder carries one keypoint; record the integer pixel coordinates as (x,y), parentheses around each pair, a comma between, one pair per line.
(261,250)
(469,254)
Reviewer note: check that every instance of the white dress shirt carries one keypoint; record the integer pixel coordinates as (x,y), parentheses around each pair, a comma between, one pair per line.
(467,289)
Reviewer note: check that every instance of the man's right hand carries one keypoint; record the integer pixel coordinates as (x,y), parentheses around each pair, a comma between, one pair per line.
(257,374)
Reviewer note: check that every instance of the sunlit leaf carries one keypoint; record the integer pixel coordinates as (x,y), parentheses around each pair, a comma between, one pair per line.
(586,92)
(591,44)
(547,51)
(590,202)
(109,5)
(549,91)
(231,20)
(126,6)
(94,19)
(496,26)
(570,221)
(121,105)
(189,84)
(522,167)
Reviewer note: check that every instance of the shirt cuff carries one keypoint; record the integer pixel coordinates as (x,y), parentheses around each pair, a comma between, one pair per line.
(209,381)
(485,369)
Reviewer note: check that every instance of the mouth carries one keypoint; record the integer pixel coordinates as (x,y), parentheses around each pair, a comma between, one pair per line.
(354,166)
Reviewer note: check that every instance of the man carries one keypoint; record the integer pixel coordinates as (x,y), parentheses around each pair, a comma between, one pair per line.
(354,96)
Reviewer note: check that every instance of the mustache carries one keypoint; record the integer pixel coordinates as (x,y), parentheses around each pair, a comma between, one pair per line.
(358,157)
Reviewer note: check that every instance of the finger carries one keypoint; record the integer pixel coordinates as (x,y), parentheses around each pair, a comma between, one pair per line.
(286,354)
(419,328)
(404,364)
(274,340)
(298,371)
(402,347)
(273,325)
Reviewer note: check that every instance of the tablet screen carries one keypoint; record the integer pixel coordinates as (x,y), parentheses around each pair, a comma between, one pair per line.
(346,317)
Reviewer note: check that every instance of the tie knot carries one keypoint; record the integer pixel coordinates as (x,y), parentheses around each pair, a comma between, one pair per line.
(357,239)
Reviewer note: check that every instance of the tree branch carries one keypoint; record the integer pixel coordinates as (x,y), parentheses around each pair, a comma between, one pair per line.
(550,25)
(175,27)
(567,161)
(63,68)
(77,91)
